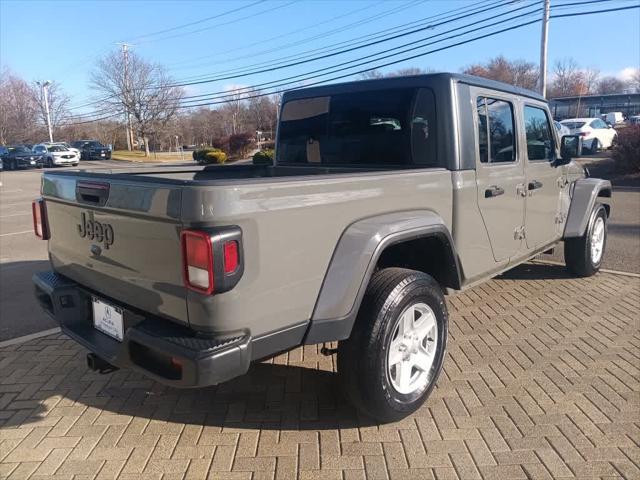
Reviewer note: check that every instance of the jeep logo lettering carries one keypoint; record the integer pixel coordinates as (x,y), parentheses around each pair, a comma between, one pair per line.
(94,230)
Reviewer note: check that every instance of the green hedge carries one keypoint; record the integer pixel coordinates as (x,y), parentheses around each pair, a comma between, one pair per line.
(263,157)
(209,155)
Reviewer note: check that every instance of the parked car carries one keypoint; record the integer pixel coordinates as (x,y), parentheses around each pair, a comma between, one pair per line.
(3,151)
(55,155)
(595,133)
(614,118)
(562,130)
(634,120)
(20,156)
(354,235)
(92,150)
(66,145)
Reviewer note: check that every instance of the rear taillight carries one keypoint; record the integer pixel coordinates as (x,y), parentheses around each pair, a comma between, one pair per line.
(40,223)
(212,259)
(584,134)
(197,257)
(231,258)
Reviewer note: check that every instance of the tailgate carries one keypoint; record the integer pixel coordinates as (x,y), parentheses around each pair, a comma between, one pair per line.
(120,238)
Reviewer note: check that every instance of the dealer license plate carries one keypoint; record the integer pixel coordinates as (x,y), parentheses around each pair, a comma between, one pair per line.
(108,318)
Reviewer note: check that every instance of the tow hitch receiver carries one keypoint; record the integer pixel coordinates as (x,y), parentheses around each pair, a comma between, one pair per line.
(96,363)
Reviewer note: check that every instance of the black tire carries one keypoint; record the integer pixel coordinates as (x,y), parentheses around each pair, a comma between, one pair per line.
(362,359)
(49,163)
(595,146)
(577,251)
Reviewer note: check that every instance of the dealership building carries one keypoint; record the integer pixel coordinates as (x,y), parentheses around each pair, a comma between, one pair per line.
(594,105)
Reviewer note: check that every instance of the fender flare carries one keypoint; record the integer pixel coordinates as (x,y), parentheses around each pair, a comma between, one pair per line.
(354,260)
(584,193)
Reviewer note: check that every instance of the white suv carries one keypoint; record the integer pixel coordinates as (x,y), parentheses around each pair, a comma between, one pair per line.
(595,133)
(54,155)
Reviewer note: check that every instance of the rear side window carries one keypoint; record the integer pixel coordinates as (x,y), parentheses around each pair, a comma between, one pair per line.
(391,127)
(538,132)
(496,139)
(573,125)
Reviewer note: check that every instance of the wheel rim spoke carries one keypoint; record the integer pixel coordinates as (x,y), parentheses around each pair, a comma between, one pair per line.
(597,240)
(412,349)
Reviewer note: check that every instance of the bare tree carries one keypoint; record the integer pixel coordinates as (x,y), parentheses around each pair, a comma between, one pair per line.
(403,72)
(58,104)
(568,80)
(146,92)
(18,111)
(370,75)
(515,72)
(610,84)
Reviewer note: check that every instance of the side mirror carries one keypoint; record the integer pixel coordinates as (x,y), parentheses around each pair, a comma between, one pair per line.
(609,125)
(569,148)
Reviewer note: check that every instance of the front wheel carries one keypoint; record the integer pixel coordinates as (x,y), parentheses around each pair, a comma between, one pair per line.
(583,255)
(394,356)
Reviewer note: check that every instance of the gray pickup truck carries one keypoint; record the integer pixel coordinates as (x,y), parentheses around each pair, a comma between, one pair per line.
(384,195)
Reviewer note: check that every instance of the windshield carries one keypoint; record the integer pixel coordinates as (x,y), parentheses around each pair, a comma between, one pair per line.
(57,148)
(19,150)
(370,128)
(573,125)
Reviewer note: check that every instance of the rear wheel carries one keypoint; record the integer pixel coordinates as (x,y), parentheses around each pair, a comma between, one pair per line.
(394,356)
(583,255)
(595,146)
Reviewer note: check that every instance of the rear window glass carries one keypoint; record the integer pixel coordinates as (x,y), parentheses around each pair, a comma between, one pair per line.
(573,125)
(371,128)
(496,140)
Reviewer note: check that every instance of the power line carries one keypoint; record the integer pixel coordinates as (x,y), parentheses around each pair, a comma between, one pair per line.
(347,50)
(325,34)
(334,47)
(197,22)
(95,102)
(423,53)
(178,35)
(412,57)
(422,41)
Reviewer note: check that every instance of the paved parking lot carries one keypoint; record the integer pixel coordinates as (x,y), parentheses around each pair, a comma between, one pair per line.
(542,380)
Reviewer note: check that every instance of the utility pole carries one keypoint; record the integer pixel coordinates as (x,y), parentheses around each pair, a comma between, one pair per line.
(125,55)
(45,93)
(543,48)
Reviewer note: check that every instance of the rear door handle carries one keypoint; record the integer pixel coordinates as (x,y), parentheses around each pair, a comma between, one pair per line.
(534,185)
(493,191)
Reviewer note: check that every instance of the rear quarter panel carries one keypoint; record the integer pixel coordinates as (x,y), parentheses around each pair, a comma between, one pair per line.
(290,230)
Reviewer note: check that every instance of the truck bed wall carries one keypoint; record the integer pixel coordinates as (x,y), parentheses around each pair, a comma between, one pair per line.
(290,230)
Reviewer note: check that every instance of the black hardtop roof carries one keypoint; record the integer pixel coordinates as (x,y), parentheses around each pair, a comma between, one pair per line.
(409,81)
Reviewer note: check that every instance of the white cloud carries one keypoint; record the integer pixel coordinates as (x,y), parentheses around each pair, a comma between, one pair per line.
(626,73)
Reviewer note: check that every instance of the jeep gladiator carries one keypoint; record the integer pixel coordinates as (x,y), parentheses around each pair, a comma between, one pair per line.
(384,195)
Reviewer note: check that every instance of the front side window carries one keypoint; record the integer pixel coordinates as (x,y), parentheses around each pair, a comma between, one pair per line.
(496,138)
(370,128)
(538,133)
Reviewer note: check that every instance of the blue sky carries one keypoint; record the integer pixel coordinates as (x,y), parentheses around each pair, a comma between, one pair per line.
(61,40)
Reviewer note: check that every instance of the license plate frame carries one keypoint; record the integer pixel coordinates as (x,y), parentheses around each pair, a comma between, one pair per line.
(108,318)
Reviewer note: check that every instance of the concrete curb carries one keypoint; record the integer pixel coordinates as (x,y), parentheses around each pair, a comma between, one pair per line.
(603,270)
(26,338)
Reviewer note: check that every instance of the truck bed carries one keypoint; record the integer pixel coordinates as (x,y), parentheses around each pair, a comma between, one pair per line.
(214,174)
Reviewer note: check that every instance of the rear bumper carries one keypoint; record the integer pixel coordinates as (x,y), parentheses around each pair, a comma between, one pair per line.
(167,352)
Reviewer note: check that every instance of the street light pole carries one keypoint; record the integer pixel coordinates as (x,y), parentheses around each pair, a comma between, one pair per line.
(542,82)
(45,94)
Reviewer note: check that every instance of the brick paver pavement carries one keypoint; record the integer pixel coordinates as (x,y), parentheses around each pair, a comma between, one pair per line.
(541,381)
